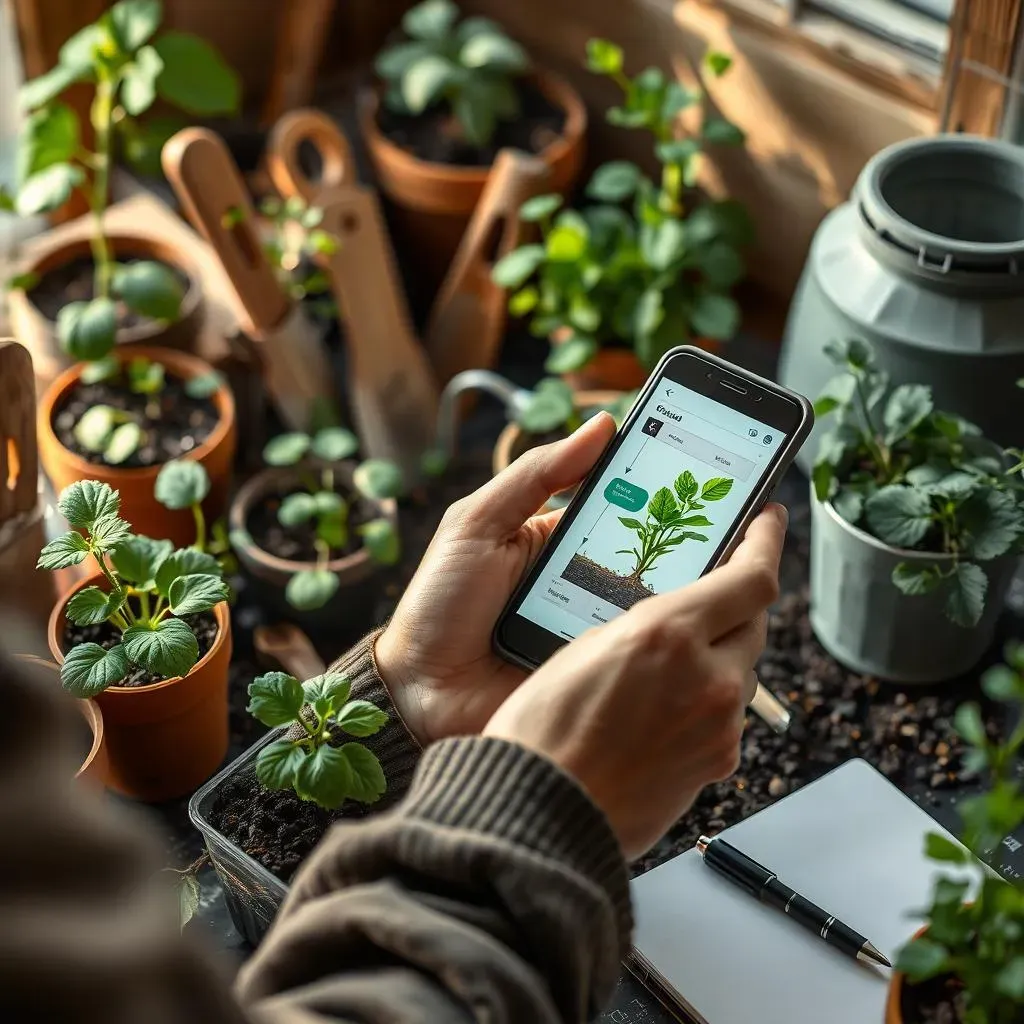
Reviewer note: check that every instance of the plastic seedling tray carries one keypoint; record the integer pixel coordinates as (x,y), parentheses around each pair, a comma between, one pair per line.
(253,894)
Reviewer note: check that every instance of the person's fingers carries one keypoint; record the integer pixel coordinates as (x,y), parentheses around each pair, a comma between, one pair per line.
(538,529)
(765,537)
(502,506)
(746,643)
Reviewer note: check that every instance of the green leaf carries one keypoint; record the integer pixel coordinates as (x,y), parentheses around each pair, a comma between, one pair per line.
(367,783)
(275,698)
(140,77)
(45,88)
(663,506)
(278,762)
(434,462)
(142,143)
(664,244)
(614,181)
(189,894)
(48,189)
(393,62)
(822,476)
(648,315)
(715,316)
(325,777)
(135,21)
(168,649)
(332,528)
(524,301)
(914,580)
(123,443)
(538,207)
(566,243)
(327,502)
(604,57)
(425,81)
(568,356)
(296,508)
(513,269)
(50,136)
(87,330)
(181,484)
(311,589)
(361,718)
(1002,684)
(686,486)
(431,19)
(378,478)
(698,520)
(151,289)
(100,370)
(108,530)
(93,430)
(495,52)
(18,282)
(584,315)
(146,377)
(677,99)
(966,601)
(334,444)
(1009,981)
(993,521)
(899,516)
(380,538)
(968,723)
(717,63)
(92,605)
(477,113)
(138,559)
(908,405)
(205,385)
(549,406)
(197,592)
(184,562)
(332,687)
(630,523)
(286,449)
(937,847)
(86,501)
(475,26)
(717,129)
(88,669)
(722,264)
(80,50)
(921,959)
(195,76)
(716,489)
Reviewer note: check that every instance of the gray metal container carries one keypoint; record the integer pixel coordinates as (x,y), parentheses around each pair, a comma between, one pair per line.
(867,624)
(926,264)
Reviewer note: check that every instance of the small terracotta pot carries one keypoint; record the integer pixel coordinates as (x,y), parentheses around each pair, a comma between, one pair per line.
(165,739)
(435,201)
(39,334)
(138,506)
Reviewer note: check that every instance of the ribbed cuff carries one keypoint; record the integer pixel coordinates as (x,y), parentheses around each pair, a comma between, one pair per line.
(505,791)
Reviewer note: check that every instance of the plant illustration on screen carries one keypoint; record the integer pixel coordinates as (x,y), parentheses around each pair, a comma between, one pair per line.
(672,519)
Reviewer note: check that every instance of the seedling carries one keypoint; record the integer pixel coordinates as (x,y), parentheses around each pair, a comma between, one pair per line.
(149,586)
(320,504)
(671,520)
(553,405)
(636,265)
(468,66)
(184,484)
(980,943)
(917,479)
(319,712)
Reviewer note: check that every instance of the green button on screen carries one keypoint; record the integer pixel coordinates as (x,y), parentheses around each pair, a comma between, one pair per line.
(626,495)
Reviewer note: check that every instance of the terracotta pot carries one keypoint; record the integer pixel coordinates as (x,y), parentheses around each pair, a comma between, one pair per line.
(165,739)
(138,506)
(435,201)
(39,334)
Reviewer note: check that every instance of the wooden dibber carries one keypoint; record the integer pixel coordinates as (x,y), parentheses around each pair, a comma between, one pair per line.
(392,392)
(469,315)
(296,368)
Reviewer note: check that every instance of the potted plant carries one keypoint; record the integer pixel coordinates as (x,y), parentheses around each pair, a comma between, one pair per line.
(313,523)
(148,637)
(455,93)
(619,282)
(916,529)
(966,966)
(306,769)
(75,299)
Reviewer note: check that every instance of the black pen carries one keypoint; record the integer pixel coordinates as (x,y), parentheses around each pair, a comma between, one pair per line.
(764,885)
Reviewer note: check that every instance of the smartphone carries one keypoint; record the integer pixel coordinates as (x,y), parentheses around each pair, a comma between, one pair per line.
(697,457)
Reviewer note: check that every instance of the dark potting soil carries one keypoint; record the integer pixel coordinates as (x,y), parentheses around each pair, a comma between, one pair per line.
(297,543)
(434,135)
(173,423)
(73,282)
(204,625)
(936,1001)
(605,584)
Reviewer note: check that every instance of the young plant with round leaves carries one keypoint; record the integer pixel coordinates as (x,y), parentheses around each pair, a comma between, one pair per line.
(975,920)
(917,479)
(149,585)
(128,66)
(319,505)
(467,67)
(309,758)
(637,264)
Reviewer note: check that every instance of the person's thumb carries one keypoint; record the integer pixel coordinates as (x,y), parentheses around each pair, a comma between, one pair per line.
(503,505)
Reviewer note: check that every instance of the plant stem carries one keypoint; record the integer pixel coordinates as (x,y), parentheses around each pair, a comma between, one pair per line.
(158,609)
(878,451)
(144,602)
(197,515)
(101,116)
(119,620)
(323,553)
(327,479)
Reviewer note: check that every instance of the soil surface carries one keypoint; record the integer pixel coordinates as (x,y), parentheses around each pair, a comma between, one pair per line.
(73,282)
(936,1001)
(433,136)
(172,423)
(297,543)
(204,625)
(605,584)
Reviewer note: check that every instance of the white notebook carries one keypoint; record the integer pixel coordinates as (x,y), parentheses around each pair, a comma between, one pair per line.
(850,842)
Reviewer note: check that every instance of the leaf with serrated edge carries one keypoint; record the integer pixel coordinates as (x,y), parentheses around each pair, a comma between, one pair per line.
(168,650)
(361,718)
(181,484)
(368,783)
(325,777)
(66,550)
(88,669)
(331,686)
(277,763)
(185,562)
(275,698)
(92,605)
(966,600)
(311,588)
(82,503)
(197,592)
(138,559)
(899,516)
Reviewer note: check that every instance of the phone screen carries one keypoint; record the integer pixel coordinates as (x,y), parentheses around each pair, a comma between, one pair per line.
(658,515)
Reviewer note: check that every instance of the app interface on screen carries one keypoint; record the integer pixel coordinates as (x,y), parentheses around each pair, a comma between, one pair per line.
(658,513)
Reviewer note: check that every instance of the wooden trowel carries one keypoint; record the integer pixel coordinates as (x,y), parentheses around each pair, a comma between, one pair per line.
(296,368)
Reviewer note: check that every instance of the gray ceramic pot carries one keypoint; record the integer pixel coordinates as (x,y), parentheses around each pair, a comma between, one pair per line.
(865,623)
(926,264)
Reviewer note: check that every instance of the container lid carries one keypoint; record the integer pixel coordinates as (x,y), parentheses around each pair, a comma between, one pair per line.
(947,206)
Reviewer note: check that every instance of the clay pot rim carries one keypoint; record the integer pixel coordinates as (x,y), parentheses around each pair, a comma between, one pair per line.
(554,87)
(165,252)
(184,364)
(220,613)
(263,484)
